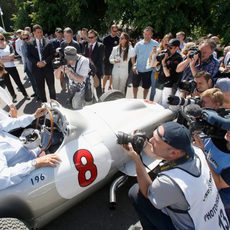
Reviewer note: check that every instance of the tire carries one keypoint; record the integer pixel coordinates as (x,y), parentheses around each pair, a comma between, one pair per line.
(12,223)
(111,95)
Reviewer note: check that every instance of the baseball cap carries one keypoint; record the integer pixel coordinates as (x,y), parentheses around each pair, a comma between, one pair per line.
(177,136)
(223,84)
(70,53)
(174,42)
(58,30)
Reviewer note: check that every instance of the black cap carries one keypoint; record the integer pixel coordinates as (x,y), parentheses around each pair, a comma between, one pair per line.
(177,136)
(174,42)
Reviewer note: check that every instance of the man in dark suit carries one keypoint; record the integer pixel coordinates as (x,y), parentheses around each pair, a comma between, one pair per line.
(95,52)
(41,53)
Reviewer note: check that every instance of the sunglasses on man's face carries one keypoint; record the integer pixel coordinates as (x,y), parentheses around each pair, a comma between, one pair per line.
(25,38)
(2,39)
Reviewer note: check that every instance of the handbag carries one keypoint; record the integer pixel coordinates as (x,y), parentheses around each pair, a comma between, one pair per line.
(88,90)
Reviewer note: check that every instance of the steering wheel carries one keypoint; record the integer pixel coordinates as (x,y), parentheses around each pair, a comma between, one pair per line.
(46,131)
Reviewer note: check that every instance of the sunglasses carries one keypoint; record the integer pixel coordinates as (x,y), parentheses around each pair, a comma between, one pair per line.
(25,39)
(2,39)
(91,37)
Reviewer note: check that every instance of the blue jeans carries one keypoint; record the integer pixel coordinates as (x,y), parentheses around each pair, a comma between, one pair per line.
(151,218)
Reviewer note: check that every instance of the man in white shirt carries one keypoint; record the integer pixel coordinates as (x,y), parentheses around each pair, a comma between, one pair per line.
(16,161)
(77,70)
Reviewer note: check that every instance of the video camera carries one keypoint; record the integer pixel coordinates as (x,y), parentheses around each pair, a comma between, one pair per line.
(212,123)
(188,86)
(161,55)
(137,140)
(175,100)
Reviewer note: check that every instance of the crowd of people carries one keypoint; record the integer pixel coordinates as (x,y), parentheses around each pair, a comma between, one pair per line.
(160,66)
(177,71)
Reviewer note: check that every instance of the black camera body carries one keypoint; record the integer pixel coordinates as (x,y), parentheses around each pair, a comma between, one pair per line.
(188,86)
(137,140)
(194,51)
(59,60)
(161,55)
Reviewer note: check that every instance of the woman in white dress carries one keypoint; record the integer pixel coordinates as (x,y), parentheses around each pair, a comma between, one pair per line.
(120,57)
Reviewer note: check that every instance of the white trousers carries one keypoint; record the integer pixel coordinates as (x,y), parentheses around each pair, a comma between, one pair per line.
(119,78)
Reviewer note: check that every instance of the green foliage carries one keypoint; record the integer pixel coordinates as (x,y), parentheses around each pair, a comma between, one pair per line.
(8,8)
(196,18)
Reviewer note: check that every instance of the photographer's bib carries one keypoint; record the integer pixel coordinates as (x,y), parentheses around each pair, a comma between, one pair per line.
(205,206)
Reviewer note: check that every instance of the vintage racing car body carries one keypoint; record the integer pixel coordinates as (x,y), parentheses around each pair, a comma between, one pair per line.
(86,142)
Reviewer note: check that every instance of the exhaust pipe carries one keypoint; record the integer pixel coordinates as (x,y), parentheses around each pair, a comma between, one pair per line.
(113,188)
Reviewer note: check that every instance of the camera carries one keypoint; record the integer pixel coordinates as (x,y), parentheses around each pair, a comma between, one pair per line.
(137,140)
(175,100)
(161,55)
(194,51)
(213,123)
(188,86)
(60,61)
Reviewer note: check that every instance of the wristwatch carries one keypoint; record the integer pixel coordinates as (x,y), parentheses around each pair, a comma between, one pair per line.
(34,163)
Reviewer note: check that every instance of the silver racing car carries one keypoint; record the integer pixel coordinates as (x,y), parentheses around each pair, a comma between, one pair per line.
(86,142)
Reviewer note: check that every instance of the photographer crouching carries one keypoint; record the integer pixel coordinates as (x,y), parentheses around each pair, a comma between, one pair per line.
(76,68)
(182,193)
(168,77)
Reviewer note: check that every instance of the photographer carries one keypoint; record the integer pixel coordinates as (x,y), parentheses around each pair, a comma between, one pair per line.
(168,78)
(77,70)
(202,81)
(217,151)
(182,193)
(201,58)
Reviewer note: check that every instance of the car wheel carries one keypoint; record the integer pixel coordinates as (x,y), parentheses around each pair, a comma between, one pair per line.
(111,95)
(13,223)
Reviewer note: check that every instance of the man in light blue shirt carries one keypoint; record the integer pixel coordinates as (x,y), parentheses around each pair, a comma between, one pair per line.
(16,161)
(141,74)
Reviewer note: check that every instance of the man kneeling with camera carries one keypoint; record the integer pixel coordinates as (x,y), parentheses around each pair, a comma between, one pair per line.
(77,70)
(182,193)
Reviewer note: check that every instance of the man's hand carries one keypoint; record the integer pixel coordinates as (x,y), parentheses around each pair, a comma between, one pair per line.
(41,64)
(198,141)
(13,111)
(40,112)
(131,152)
(48,160)
(194,60)
(135,70)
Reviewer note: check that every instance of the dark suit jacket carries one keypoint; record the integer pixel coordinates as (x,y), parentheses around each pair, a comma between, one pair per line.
(97,57)
(47,55)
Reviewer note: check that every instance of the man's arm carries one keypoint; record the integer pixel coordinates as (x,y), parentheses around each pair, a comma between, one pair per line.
(181,66)
(13,175)
(10,176)
(20,122)
(165,68)
(143,177)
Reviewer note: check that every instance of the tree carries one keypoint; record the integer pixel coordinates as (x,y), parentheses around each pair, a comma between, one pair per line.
(22,17)
(8,8)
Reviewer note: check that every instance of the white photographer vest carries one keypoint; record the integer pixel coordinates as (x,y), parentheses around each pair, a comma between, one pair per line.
(206,208)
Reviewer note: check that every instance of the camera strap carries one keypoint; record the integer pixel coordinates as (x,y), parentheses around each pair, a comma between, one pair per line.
(167,165)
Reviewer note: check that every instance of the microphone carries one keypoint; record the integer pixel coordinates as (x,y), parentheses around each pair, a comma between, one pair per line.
(193,110)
